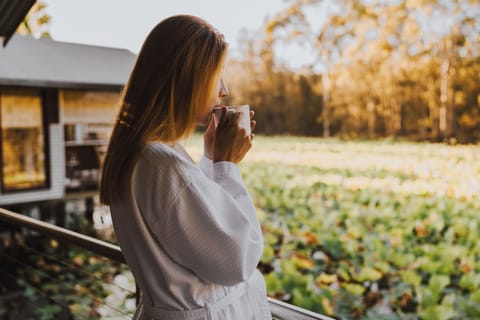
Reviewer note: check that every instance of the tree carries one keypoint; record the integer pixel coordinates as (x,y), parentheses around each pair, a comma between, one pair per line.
(390,64)
(36,22)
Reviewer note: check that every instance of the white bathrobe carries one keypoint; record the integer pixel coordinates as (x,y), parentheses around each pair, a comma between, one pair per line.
(191,237)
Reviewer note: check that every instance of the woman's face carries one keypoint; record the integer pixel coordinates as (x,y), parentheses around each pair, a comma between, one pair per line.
(220,91)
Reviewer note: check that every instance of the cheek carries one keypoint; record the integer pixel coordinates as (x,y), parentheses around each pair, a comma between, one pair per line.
(212,102)
(204,115)
(213,99)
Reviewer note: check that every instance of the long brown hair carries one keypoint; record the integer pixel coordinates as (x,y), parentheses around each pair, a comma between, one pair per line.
(170,84)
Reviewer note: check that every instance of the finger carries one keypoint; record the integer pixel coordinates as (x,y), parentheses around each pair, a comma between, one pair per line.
(242,132)
(252,114)
(249,141)
(253,124)
(236,116)
(211,124)
(212,120)
(233,119)
(223,116)
(216,114)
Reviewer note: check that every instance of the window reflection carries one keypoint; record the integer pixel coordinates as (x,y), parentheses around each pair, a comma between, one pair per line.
(23,140)
(87,116)
(82,170)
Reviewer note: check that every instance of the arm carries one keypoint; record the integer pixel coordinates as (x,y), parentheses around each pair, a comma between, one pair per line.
(211,227)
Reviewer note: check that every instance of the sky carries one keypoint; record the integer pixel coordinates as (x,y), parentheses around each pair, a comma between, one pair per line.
(125,23)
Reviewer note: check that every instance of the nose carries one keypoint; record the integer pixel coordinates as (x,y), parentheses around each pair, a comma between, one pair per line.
(223,92)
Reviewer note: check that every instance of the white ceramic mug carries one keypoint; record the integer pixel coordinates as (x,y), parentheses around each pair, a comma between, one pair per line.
(243,119)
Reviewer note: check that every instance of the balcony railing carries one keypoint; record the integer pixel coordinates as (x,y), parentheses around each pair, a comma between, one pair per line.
(280,310)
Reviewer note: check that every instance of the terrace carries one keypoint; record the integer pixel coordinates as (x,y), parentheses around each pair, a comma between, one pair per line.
(52,112)
(280,310)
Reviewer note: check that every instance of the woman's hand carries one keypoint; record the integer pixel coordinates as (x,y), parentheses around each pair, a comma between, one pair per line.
(253,123)
(231,143)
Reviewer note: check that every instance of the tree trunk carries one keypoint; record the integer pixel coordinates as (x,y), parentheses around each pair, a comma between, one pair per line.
(371,119)
(325,96)
(325,121)
(397,118)
(433,110)
(443,114)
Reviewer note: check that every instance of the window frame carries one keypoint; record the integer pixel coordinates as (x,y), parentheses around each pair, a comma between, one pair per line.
(46,144)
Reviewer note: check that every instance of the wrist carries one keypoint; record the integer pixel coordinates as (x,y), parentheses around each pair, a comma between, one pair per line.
(225,159)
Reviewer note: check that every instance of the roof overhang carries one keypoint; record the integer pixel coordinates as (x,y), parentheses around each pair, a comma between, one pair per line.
(46,63)
(12,13)
(16,83)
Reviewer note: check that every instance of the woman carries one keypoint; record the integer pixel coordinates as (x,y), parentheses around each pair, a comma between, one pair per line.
(188,232)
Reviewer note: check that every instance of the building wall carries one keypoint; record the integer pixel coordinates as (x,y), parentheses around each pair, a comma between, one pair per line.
(80,106)
(77,121)
(88,115)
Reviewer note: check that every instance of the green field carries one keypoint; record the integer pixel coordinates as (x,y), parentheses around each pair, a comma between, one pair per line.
(354,230)
(368,230)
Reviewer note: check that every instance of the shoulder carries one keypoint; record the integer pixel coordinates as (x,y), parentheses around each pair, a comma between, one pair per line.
(155,151)
(158,176)
(159,157)
(160,171)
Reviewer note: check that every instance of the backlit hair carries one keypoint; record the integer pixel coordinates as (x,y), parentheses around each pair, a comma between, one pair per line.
(169,87)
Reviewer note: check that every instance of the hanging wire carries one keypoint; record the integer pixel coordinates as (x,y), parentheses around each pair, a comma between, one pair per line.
(68,286)
(73,267)
(43,293)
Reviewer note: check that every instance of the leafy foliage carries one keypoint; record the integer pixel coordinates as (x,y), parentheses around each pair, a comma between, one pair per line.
(37,21)
(369,230)
(64,282)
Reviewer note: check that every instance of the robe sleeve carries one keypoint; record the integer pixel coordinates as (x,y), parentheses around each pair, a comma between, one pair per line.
(212,228)
(206,165)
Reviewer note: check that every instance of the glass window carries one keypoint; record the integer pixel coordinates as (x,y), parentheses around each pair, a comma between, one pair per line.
(88,117)
(23,140)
